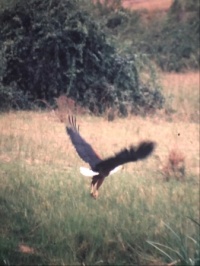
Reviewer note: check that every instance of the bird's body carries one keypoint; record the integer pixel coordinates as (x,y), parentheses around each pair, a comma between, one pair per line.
(102,168)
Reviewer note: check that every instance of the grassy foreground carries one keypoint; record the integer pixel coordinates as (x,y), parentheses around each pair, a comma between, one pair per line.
(48,216)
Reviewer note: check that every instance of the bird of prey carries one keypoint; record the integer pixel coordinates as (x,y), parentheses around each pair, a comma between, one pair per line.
(101,168)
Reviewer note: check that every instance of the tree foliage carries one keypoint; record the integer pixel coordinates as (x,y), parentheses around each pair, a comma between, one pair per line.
(177,46)
(170,39)
(49,48)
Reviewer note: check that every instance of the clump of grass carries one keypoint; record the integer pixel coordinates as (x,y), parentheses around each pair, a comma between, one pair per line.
(66,106)
(175,166)
(185,250)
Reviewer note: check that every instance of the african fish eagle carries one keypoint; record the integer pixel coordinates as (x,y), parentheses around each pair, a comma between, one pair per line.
(102,168)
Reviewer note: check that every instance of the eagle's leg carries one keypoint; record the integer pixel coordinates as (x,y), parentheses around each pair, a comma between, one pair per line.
(93,184)
(98,184)
(92,188)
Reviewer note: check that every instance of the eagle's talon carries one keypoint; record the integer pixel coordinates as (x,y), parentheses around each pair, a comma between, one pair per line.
(95,194)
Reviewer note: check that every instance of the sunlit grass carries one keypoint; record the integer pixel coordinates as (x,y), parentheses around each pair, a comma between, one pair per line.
(53,213)
(183,96)
(147,5)
(47,214)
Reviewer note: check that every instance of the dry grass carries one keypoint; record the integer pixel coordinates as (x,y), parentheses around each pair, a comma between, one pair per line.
(182,92)
(45,131)
(66,106)
(150,5)
(175,166)
(39,177)
(47,134)
(46,208)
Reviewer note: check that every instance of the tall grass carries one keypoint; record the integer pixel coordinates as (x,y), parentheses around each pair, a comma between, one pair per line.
(182,92)
(52,212)
(47,214)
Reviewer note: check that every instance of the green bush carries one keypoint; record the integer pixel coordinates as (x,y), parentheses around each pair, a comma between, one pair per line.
(10,97)
(177,47)
(50,48)
(171,40)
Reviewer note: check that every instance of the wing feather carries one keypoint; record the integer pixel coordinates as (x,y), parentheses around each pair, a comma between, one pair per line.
(143,150)
(84,149)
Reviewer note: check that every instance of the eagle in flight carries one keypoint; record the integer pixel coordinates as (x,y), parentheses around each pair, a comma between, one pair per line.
(102,168)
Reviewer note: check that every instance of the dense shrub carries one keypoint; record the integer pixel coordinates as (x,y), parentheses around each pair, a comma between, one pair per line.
(55,47)
(170,39)
(177,47)
(10,97)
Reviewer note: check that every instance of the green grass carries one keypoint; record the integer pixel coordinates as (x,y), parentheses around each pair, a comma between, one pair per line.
(53,213)
(46,207)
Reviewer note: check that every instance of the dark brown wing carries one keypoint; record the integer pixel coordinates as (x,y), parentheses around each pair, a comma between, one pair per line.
(84,149)
(132,154)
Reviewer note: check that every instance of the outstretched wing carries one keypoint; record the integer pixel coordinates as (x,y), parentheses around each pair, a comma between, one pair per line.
(132,154)
(84,150)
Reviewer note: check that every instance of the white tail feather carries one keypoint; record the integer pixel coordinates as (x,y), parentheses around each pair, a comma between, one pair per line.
(115,169)
(87,172)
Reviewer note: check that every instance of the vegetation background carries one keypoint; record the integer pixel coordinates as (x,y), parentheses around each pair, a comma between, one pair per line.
(93,52)
(101,61)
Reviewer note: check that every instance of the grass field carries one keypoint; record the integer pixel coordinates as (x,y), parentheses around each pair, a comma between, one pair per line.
(182,92)
(150,5)
(48,216)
